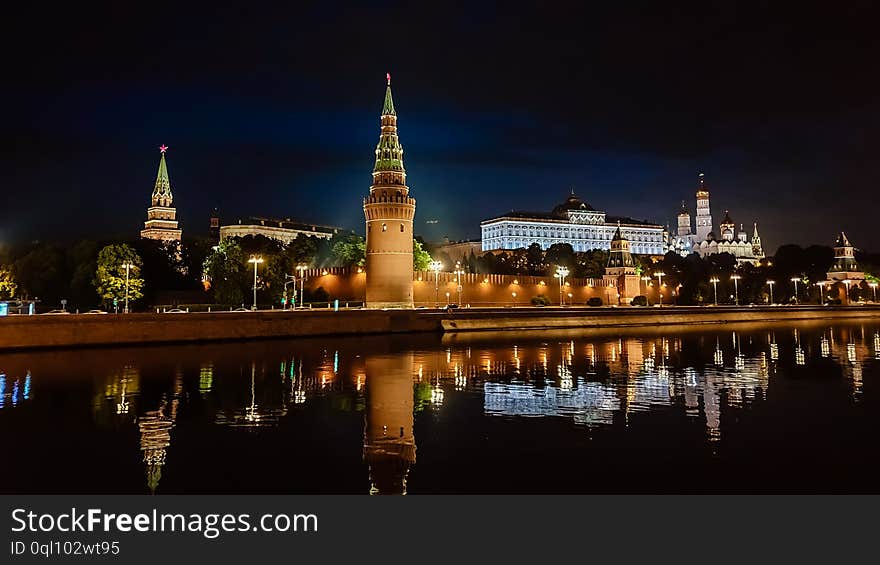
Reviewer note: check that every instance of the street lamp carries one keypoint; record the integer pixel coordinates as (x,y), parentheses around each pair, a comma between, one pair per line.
(287,282)
(715,281)
(735,279)
(256,261)
(561,272)
(873,286)
(458,273)
(821,285)
(771,283)
(847,282)
(127,266)
(646,279)
(796,280)
(436,266)
(302,283)
(513,294)
(660,275)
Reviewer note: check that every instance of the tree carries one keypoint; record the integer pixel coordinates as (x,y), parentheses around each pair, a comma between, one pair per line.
(421,258)
(110,274)
(226,273)
(7,283)
(348,250)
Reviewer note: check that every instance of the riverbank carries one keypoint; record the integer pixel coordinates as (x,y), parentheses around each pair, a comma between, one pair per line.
(54,331)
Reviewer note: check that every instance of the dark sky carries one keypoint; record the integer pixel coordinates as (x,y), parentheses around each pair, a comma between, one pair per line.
(274,111)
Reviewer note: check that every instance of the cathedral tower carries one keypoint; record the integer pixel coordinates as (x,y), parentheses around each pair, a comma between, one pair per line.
(161,221)
(704,214)
(684,222)
(757,248)
(389,213)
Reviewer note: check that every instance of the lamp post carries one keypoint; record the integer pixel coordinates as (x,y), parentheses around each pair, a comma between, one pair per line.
(847,282)
(458,273)
(821,285)
(561,272)
(287,282)
(436,266)
(513,294)
(873,286)
(256,261)
(660,275)
(646,279)
(127,265)
(796,280)
(715,281)
(735,279)
(302,283)
(770,283)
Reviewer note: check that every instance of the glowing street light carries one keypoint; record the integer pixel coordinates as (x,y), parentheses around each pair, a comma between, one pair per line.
(873,286)
(128,265)
(302,283)
(513,294)
(561,272)
(660,275)
(770,283)
(821,285)
(256,261)
(646,279)
(715,281)
(735,279)
(847,282)
(436,266)
(458,273)
(796,280)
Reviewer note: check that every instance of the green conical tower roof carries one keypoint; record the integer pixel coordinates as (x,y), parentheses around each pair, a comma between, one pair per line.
(388,106)
(389,152)
(162,188)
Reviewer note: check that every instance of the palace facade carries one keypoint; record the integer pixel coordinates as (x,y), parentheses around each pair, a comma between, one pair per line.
(284,231)
(574,222)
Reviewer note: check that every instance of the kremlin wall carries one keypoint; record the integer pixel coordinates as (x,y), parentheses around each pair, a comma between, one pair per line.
(349,285)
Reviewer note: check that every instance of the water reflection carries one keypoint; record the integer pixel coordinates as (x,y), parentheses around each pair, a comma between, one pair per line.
(591,381)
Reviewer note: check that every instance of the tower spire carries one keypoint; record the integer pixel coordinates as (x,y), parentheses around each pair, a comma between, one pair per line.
(388,106)
(162,188)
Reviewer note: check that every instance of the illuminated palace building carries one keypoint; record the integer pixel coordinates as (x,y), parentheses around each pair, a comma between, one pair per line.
(574,222)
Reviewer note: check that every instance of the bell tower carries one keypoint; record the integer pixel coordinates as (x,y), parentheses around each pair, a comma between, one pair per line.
(704,213)
(389,213)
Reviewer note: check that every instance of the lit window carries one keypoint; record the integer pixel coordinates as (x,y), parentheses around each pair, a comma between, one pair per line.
(384,227)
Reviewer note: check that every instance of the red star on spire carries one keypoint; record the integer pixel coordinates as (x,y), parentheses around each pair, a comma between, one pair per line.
(163,148)
(388,78)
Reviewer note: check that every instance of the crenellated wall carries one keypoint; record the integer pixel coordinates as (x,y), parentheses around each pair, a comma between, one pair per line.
(477,290)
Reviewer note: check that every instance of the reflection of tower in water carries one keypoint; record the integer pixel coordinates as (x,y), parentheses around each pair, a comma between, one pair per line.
(155,429)
(389,443)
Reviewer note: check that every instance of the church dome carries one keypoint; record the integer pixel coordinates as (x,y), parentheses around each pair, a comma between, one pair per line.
(572,204)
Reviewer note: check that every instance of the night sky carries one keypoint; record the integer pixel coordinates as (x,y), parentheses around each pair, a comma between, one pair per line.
(274,111)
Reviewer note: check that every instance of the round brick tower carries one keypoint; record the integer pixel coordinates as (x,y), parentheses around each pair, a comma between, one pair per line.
(389,212)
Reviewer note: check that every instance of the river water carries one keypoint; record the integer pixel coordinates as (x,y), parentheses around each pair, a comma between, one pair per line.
(740,408)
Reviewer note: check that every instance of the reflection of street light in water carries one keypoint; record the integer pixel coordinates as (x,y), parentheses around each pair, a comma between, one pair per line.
(825,346)
(799,356)
(719,354)
(250,412)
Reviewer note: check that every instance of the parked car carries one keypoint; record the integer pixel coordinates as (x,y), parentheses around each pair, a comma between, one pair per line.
(175,311)
(96,312)
(57,312)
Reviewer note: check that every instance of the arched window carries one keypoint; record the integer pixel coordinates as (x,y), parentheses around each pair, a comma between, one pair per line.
(401,228)
(384,226)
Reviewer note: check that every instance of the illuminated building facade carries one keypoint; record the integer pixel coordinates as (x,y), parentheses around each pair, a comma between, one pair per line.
(389,212)
(161,221)
(703,240)
(283,231)
(574,222)
(621,269)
